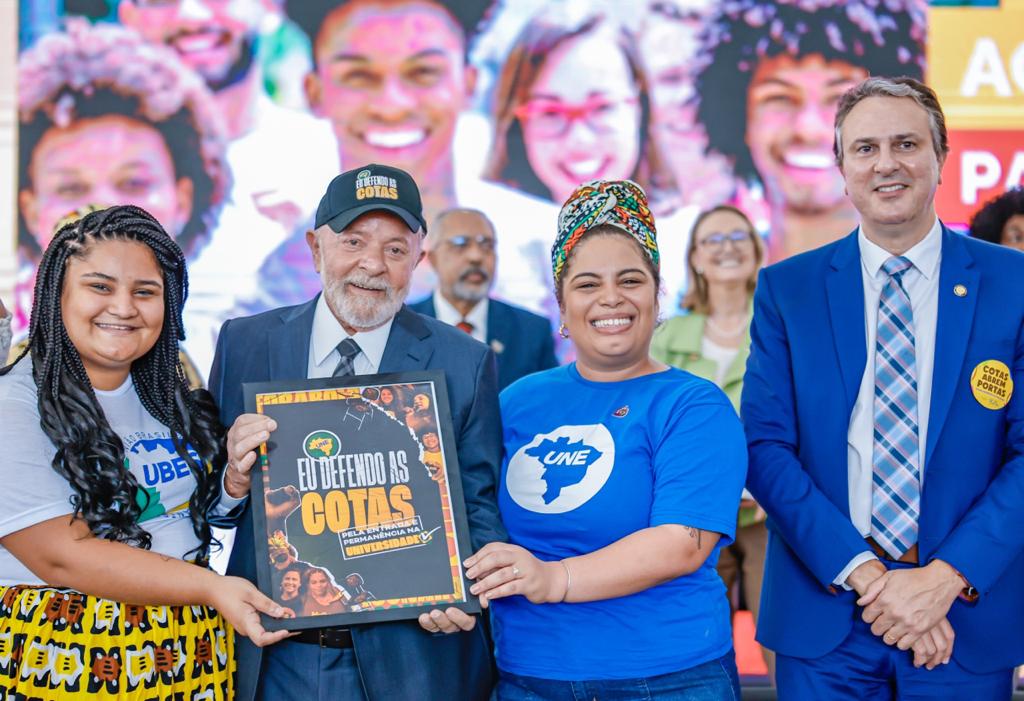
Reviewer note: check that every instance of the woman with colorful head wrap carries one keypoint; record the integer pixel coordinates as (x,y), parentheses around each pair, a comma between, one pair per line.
(619,485)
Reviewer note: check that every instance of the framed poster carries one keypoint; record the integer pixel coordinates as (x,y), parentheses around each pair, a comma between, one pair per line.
(359,513)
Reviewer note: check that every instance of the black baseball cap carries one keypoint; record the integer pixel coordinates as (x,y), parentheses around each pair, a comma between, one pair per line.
(369,188)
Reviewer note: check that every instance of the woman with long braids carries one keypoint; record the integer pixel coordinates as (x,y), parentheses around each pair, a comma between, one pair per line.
(111,470)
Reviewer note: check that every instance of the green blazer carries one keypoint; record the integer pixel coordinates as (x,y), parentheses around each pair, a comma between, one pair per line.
(677,342)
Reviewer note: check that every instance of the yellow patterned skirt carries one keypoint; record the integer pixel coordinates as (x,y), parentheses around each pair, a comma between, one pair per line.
(58,644)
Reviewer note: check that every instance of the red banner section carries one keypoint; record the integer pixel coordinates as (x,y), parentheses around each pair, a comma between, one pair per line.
(981,165)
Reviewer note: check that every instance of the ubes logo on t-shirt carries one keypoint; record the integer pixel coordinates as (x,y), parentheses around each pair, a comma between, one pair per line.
(561,470)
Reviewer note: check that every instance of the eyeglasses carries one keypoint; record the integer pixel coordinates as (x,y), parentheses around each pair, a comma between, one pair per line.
(738,238)
(460,243)
(552,118)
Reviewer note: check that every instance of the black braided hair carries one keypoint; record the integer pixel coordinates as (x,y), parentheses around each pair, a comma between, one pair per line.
(90,455)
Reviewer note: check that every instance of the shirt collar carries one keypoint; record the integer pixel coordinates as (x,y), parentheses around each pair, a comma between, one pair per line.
(328,333)
(924,255)
(450,315)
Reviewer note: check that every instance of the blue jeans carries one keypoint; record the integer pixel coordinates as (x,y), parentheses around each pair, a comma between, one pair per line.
(716,680)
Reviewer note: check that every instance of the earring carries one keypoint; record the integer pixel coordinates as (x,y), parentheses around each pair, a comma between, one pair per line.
(563,332)
(699,271)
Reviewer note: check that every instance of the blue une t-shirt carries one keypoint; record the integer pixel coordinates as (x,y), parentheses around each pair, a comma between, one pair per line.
(587,464)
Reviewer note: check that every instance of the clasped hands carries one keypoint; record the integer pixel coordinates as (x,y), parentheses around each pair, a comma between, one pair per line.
(907,607)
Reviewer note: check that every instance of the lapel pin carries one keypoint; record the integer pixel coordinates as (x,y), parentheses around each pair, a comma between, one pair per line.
(497,346)
(960,290)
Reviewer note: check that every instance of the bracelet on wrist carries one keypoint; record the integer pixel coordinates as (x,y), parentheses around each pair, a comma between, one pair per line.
(568,580)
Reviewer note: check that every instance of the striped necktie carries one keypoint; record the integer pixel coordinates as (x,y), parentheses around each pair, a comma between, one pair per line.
(896,481)
(348,350)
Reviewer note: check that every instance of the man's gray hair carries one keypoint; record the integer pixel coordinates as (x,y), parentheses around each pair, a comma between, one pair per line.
(434,234)
(880,86)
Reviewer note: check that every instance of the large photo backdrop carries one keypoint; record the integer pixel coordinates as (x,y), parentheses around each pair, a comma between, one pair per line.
(227,118)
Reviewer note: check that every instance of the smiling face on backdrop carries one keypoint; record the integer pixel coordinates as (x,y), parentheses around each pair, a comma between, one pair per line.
(215,38)
(103,161)
(581,121)
(392,79)
(791,107)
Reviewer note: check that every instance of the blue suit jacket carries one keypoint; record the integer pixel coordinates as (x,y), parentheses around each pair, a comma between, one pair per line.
(396,660)
(807,359)
(521,339)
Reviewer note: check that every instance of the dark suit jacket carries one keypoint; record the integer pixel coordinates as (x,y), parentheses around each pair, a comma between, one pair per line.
(397,660)
(521,339)
(806,363)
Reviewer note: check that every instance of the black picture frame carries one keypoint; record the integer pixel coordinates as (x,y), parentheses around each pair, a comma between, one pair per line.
(348,495)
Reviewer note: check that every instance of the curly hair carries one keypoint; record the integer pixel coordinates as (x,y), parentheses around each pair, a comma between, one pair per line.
(90,455)
(988,222)
(468,15)
(884,37)
(90,72)
(542,35)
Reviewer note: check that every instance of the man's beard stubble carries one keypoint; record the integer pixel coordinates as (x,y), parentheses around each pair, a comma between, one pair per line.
(472,292)
(358,313)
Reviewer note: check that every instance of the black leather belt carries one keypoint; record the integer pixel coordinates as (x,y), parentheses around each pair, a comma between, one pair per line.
(325,637)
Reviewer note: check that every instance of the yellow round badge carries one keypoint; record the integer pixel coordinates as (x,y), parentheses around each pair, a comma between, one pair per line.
(992,384)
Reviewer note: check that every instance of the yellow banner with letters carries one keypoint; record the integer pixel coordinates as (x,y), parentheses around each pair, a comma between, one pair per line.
(976,64)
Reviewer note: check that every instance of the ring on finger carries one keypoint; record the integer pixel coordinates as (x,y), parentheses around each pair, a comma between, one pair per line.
(515,572)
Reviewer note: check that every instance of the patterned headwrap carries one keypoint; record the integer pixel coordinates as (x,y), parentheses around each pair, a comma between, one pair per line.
(618,203)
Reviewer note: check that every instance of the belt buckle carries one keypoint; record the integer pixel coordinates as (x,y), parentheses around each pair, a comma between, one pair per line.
(322,637)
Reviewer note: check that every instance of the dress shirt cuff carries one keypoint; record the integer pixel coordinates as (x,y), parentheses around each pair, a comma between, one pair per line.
(857,561)
(227,503)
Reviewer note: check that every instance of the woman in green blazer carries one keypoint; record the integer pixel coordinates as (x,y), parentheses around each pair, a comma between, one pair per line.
(711,339)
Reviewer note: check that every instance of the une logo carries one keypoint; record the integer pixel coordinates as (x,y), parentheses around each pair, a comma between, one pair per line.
(321,444)
(578,457)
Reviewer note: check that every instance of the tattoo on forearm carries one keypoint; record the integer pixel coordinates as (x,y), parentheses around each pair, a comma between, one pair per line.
(694,533)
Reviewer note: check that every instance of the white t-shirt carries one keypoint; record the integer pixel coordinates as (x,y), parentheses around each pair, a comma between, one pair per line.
(34,492)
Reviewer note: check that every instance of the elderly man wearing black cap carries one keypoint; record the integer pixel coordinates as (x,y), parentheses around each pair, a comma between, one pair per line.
(366,242)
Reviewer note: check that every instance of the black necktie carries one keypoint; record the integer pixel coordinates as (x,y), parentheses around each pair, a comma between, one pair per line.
(348,350)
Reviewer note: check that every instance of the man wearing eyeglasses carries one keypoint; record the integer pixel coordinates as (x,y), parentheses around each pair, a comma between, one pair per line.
(461,248)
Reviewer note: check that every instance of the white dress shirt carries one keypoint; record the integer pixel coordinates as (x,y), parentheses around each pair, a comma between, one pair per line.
(450,315)
(328,333)
(921,282)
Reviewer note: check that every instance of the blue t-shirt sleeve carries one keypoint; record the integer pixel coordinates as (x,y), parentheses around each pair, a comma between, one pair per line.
(700,466)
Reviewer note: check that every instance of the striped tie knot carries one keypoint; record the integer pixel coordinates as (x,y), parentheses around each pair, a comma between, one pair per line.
(347,352)
(896,266)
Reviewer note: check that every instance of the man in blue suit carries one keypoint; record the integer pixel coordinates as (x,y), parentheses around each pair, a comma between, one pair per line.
(885,436)
(367,240)
(461,248)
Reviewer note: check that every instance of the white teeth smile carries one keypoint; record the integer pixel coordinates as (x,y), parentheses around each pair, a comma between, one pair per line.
(811,160)
(395,139)
(607,323)
(731,263)
(197,42)
(584,168)
(891,188)
(115,327)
